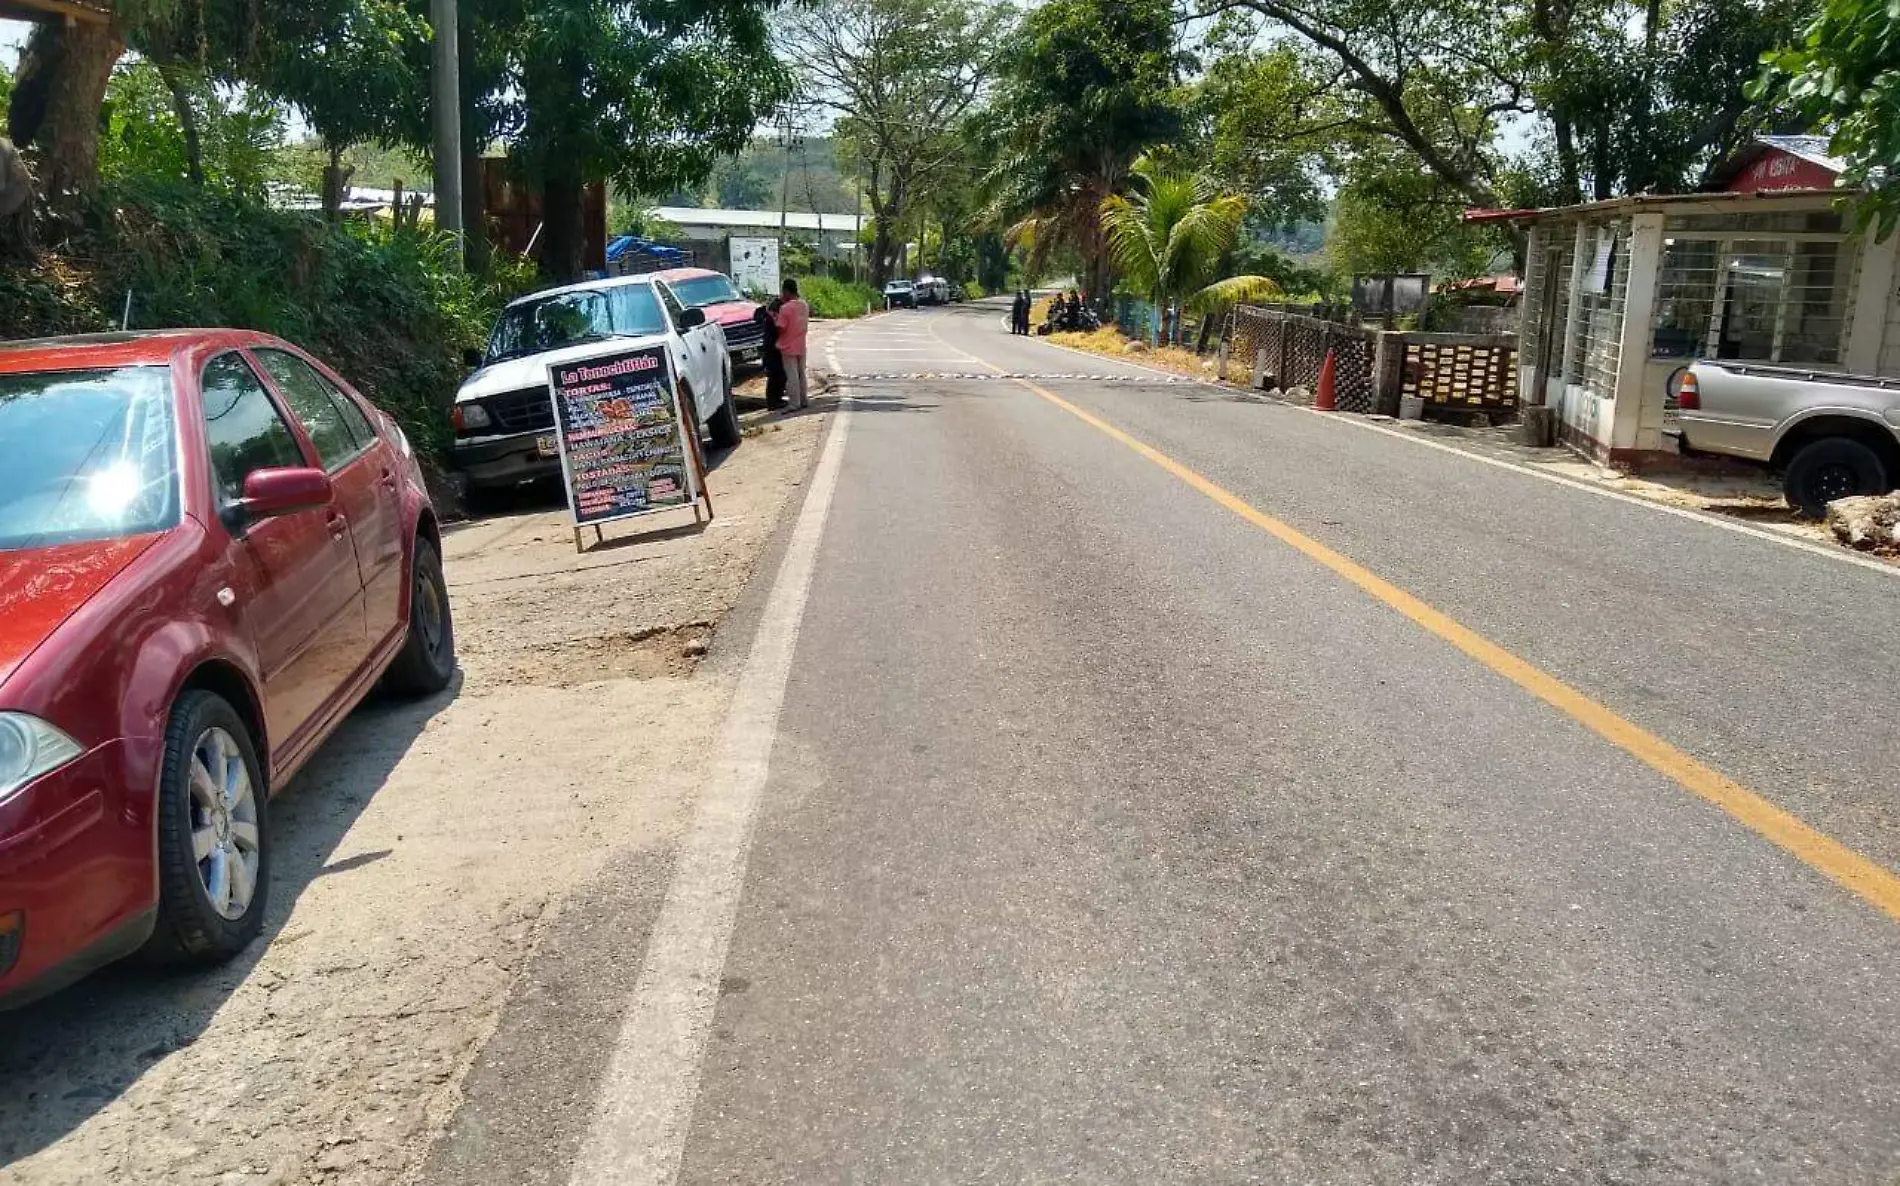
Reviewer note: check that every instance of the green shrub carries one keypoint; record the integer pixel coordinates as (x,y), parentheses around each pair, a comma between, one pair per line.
(972,291)
(829,297)
(386,308)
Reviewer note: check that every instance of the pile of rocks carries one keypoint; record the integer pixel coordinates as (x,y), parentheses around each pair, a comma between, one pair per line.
(1870,523)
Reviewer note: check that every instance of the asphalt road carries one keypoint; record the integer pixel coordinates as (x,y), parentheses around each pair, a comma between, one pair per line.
(1108,838)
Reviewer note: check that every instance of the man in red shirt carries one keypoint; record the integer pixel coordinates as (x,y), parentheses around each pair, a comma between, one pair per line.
(793,321)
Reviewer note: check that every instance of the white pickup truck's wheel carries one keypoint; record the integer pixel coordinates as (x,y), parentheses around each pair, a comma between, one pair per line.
(1831,468)
(723,426)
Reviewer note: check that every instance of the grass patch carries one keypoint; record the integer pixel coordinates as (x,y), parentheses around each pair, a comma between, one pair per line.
(833,298)
(1108,341)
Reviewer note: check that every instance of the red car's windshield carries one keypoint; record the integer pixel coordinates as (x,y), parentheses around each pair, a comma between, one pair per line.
(701,291)
(89,455)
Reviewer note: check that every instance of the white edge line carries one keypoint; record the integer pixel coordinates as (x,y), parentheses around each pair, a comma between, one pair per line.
(646,1099)
(1350,420)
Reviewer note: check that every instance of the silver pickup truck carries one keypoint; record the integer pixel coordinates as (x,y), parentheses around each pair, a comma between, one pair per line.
(1830,435)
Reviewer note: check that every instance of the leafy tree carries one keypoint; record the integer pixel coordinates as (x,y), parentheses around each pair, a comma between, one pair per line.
(66,66)
(1167,237)
(1391,216)
(1087,87)
(1434,75)
(1632,95)
(1646,98)
(377,165)
(59,86)
(1843,76)
(738,186)
(1265,121)
(647,94)
(359,73)
(900,74)
(170,123)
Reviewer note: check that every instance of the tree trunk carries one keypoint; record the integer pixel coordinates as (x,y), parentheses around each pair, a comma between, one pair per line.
(58,91)
(1569,187)
(187,123)
(476,246)
(336,184)
(893,253)
(880,252)
(16,204)
(1602,181)
(561,245)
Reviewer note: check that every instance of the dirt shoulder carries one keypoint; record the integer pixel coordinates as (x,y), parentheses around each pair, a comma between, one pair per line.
(419,860)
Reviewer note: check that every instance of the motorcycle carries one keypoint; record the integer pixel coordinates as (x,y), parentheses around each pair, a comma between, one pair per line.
(1064,318)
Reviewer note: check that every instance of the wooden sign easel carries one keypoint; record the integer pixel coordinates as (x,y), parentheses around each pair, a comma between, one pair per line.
(689,425)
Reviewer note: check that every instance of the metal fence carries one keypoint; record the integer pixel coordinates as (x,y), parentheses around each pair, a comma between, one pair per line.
(1284,346)
(1136,318)
(1289,348)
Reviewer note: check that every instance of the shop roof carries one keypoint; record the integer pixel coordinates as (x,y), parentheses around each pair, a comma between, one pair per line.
(1636,203)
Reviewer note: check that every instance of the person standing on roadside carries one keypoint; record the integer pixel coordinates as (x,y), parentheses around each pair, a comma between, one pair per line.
(793,320)
(769,353)
(1018,313)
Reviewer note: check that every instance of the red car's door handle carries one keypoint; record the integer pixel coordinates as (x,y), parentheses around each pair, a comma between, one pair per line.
(389,479)
(339,526)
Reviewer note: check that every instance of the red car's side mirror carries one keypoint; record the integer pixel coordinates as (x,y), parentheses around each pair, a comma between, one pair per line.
(272,492)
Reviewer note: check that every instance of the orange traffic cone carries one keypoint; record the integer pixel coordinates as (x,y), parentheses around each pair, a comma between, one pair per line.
(1326,399)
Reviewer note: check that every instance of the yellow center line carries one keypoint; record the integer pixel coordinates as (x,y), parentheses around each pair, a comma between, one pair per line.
(1868,880)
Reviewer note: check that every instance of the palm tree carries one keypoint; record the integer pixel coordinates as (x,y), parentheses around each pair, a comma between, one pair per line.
(1044,204)
(1168,234)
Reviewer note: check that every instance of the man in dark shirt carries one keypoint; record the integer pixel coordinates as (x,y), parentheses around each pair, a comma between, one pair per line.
(769,354)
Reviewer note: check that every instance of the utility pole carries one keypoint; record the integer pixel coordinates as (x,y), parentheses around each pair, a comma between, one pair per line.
(787,140)
(446,84)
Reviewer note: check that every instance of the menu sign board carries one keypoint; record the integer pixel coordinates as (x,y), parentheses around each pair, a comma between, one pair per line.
(624,448)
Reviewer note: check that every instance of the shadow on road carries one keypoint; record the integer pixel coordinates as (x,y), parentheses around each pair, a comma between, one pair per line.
(65,1058)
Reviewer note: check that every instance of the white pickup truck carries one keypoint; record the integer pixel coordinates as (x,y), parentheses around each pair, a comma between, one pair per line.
(504,413)
(1831,435)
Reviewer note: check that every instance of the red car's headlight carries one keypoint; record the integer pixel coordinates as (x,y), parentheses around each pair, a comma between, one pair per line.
(29,747)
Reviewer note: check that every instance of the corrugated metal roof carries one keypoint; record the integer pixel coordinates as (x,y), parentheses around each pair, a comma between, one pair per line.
(1637,202)
(758,220)
(1808,148)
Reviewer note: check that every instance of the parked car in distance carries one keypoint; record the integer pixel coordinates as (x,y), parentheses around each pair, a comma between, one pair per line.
(1829,435)
(933,290)
(504,414)
(900,294)
(698,288)
(211,548)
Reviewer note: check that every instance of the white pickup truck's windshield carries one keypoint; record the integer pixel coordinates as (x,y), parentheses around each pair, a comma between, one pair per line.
(701,291)
(570,318)
(89,455)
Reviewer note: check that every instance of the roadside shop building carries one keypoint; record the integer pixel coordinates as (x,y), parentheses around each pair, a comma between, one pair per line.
(1621,295)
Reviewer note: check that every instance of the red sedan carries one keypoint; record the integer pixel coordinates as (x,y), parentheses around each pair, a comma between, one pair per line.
(211,548)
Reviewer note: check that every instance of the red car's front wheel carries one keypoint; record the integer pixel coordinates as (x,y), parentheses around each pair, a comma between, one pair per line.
(213,847)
